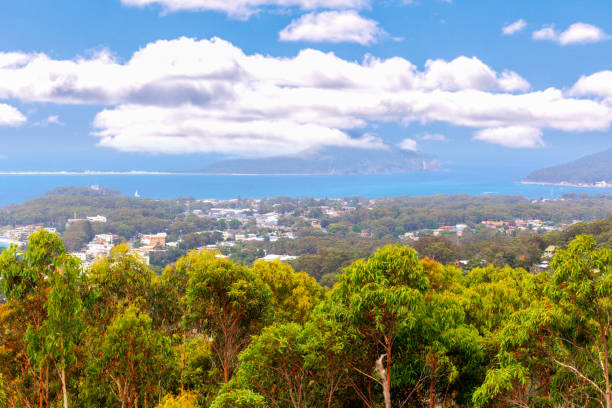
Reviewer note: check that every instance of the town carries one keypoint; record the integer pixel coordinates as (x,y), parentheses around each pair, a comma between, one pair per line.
(229,225)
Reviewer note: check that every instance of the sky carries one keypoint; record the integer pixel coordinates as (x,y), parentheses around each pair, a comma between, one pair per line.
(176,84)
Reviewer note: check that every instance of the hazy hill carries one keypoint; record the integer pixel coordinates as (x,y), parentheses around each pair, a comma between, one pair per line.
(589,170)
(331,160)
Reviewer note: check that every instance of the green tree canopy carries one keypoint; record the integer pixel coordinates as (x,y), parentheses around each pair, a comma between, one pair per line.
(227,302)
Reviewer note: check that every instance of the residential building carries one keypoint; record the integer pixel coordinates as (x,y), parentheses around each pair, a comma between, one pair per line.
(97,218)
(154,240)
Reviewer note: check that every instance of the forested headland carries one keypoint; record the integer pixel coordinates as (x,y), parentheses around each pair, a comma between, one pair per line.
(589,170)
(396,330)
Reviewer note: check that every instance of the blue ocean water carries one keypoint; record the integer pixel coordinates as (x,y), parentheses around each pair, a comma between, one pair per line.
(16,188)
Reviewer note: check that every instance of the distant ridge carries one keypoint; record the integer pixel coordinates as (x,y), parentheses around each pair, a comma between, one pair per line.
(331,160)
(595,170)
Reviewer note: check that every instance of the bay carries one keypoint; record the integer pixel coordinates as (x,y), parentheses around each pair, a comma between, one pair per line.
(16,188)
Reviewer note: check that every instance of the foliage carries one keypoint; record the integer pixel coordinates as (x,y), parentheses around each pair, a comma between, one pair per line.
(135,361)
(382,298)
(183,400)
(273,366)
(2,393)
(556,350)
(239,399)
(294,295)
(226,302)
(397,329)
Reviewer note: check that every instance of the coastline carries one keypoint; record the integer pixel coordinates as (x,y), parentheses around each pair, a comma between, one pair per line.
(565,184)
(79,173)
(185,173)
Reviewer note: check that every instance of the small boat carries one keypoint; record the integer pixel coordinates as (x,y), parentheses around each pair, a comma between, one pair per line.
(136,194)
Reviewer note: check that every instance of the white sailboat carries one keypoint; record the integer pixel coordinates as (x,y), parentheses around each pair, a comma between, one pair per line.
(136,194)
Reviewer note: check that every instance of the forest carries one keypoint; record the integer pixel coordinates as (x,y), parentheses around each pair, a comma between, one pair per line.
(396,330)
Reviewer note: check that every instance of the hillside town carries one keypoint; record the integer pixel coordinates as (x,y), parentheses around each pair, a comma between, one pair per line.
(250,221)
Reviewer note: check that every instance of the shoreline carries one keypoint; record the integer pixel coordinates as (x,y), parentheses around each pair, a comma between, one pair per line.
(184,173)
(565,184)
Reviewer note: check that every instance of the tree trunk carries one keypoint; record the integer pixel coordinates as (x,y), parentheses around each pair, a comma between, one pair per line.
(604,336)
(47,404)
(64,391)
(384,375)
(330,394)
(183,362)
(432,384)
(225,370)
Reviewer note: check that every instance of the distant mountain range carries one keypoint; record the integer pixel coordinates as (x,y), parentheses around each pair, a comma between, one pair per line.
(331,160)
(595,169)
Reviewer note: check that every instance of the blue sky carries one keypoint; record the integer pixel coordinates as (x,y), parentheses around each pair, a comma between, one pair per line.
(213,79)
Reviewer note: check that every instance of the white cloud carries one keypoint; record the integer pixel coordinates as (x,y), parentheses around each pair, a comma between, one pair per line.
(334,27)
(513,28)
(577,33)
(187,95)
(469,73)
(546,33)
(512,136)
(436,137)
(408,144)
(208,71)
(580,33)
(245,8)
(10,116)
(51,120)
(597,84)
(12,59)
(55,120)
(194,129)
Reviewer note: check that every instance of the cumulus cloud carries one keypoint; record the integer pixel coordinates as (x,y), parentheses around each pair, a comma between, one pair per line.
(334,27)
(194,129)
(469,73)
(598,84)
(545,33)
(245,8)
(208,71)
(577,33)
(513,28)
(10,116)
(408,144)
(512,136)
(436,137)
(187,95)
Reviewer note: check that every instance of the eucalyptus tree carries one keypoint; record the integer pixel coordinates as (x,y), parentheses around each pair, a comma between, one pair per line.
(120,279)
(25,280)
(558,349)
(63,328)
(135,363)
(273,366)
(382,299)
(226,302)
(294,295)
